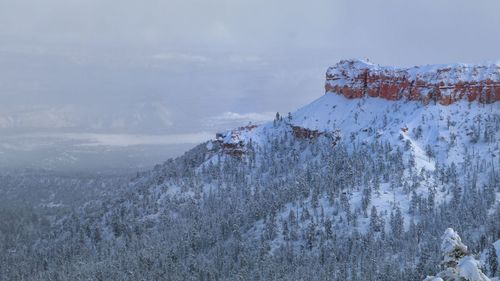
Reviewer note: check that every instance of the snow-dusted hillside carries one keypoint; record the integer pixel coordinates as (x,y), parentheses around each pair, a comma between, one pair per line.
(438,148)
(448,130)
(344,188)
(431,136)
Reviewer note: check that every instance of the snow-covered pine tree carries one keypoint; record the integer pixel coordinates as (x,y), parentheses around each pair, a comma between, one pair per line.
(458,264)
(492,261)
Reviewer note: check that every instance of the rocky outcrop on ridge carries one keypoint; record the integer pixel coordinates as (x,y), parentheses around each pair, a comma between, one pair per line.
(444,84)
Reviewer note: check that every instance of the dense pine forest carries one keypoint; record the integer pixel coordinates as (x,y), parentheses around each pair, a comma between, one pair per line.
(295,209)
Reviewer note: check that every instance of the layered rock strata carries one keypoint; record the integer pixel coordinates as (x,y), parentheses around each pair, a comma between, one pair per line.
(444,84)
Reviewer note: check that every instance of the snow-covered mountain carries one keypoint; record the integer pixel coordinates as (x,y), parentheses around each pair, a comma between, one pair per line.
(388,110)
(358,185)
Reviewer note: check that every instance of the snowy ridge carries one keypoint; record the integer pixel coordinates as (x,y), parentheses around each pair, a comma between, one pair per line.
(433,73)
(445,129)
(430,136)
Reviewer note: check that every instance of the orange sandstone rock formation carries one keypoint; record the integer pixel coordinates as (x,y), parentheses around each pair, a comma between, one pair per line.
(444,84)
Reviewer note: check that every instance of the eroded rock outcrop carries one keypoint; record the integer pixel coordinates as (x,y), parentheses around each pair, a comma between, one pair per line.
(440,83)
(233,142)
(304,133)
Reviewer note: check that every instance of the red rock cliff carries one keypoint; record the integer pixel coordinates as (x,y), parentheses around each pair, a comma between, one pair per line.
(441,83)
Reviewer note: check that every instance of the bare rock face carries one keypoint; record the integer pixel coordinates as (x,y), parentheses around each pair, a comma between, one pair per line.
(444,84)
(304,133)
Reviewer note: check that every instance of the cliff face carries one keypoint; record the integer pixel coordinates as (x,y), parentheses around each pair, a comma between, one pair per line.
(440,83)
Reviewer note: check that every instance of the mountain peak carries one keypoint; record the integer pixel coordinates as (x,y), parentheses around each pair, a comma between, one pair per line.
(445,84)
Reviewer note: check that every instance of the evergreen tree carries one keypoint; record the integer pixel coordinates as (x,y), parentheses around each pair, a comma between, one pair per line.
(374,220)
(492,261)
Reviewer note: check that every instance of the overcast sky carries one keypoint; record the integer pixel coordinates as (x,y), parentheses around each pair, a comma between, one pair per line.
(187,66)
